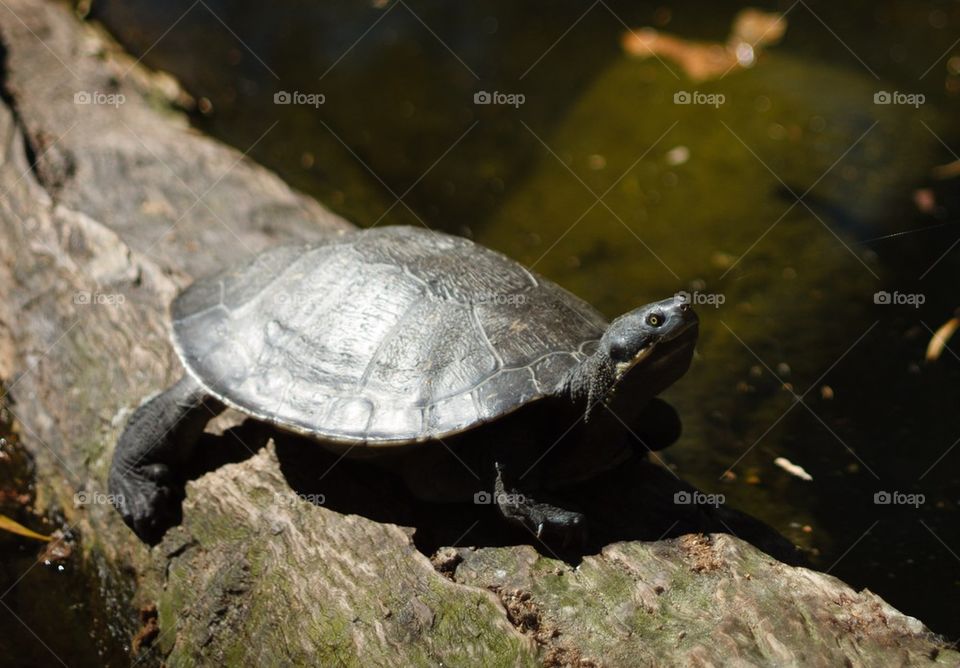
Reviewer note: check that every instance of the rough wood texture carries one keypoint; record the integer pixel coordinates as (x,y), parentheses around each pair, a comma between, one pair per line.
(121,208)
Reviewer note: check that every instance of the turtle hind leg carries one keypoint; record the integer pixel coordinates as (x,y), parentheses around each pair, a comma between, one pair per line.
(144,482)
(546,521)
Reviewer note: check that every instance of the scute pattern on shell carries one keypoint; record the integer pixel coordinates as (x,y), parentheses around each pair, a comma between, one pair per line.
(384,336)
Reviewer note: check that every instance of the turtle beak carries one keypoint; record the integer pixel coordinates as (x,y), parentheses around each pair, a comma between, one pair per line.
(676,336)
(680,317)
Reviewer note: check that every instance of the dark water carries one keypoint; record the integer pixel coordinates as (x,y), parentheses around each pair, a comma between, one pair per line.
(52,609)
(695,197)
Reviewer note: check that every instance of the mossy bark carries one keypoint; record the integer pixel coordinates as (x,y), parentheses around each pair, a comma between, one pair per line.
(109,209)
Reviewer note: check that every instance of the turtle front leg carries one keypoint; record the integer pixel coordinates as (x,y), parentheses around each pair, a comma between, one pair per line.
(158,439)
(544,520)
(656,426)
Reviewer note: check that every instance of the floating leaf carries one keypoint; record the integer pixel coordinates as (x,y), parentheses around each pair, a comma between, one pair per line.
(7,524)
(792,469)
(939,339)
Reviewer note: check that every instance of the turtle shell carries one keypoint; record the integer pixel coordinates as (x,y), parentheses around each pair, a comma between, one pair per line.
(381,337)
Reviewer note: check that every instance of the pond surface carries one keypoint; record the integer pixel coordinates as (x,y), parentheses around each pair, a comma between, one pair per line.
(601,182)
(52,607)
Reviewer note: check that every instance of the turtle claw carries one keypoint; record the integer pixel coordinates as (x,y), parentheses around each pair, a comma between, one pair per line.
(146,500)
(543,520)
(547,522)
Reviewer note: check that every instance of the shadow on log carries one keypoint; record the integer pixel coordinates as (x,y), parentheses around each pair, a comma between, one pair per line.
(108,210)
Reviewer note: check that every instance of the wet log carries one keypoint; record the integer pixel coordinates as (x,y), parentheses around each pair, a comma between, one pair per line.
(112,203)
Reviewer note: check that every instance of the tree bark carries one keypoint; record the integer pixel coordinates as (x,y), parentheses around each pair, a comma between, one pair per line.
(111,204)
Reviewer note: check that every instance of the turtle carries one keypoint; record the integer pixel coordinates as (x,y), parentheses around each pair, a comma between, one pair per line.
(457,368)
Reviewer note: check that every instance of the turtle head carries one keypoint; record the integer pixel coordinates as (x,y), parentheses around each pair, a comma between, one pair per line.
(641,354)
(636,336)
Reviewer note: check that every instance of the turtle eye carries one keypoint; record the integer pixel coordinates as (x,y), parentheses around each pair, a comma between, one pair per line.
(655,319)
